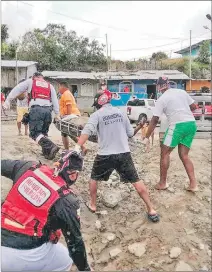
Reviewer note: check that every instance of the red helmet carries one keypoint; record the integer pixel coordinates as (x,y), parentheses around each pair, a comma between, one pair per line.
(162,83)
(102,98)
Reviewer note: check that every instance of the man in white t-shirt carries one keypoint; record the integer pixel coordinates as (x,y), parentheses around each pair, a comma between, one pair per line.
(177,106)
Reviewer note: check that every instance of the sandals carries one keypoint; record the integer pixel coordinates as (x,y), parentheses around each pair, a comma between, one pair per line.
(89,208)
(153,217)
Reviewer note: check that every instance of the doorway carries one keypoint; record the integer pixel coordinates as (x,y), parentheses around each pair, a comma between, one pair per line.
(151,91)
(74,91)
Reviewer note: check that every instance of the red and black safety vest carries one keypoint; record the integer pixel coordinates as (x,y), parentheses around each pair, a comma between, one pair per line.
(40,89)
(28,203)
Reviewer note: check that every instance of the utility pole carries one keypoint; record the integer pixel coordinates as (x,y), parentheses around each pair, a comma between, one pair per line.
(107,52)
(110,58)
(190,62)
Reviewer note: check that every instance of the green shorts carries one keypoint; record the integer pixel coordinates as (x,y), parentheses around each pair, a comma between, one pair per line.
(180,133)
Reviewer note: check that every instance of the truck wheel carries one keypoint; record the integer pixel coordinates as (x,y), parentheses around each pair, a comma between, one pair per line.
(141,116)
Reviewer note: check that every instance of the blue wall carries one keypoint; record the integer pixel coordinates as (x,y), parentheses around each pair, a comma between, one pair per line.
(140,90)
(195,52)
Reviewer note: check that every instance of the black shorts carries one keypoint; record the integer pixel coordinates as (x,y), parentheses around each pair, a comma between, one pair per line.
(64,135)
(104,165)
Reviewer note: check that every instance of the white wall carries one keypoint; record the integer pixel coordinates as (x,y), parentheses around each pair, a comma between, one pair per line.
(31,70)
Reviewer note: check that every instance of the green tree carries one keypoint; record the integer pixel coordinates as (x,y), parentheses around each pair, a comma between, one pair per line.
(159,56)
(4,33)
(55,48)
(204,53)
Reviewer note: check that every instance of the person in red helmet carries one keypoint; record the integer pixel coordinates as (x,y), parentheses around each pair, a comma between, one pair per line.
(43,98)
(177,106)
(39,208)
(113,129)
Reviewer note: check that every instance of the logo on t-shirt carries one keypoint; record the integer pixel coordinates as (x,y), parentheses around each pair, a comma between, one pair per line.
(32,190)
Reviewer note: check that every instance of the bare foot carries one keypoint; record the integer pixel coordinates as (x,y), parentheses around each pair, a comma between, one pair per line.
(161,186)
(90,207)
(193,190)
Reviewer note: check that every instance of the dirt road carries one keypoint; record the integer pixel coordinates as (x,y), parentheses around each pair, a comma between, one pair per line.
(121,238)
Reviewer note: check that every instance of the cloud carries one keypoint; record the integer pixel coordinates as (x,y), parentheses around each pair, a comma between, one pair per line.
(150,26)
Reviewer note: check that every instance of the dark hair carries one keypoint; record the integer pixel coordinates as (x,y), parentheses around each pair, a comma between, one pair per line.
(37,74)
(64,83)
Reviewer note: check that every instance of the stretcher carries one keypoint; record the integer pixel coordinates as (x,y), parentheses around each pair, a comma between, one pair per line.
(73,126)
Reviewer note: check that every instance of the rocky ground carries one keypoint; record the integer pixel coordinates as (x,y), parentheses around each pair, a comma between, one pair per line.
(119,236)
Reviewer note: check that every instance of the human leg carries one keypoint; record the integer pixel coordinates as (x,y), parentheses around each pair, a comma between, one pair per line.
(102,169)
(65,141)
(38,125)
(189,129)
(125,167)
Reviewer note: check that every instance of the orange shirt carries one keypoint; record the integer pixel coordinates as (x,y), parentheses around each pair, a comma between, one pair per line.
(68,99)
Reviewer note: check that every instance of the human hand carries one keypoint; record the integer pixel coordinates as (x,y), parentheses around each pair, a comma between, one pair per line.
(6,105)
(77,149)
(56,118)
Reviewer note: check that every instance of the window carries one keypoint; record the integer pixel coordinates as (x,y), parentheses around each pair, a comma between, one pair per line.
(151,103)
(126,87)
(87,89)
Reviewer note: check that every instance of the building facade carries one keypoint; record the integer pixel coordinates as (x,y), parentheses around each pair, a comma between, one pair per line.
(12,72)
(185,52)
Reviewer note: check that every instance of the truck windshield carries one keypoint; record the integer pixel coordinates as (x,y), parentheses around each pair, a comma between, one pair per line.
(151,103)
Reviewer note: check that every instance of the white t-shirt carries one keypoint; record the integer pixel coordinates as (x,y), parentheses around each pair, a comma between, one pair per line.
(174,103)
(163,123)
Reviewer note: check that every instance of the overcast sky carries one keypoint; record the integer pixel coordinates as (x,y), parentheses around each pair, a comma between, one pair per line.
(148,26)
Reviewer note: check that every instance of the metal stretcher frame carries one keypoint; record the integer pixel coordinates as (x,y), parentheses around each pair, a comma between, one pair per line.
(72,130)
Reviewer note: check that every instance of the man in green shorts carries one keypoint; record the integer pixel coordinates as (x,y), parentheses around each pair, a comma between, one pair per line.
(177,106)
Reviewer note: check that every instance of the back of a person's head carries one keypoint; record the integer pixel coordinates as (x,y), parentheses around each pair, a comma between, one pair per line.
(64,84)
(37,74)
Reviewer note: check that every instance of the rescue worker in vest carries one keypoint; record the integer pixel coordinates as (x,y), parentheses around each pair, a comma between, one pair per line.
(42,96)
(113,129)
(37,209)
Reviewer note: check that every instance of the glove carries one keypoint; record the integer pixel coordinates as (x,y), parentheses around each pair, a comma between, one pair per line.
(6,105)
(78,149)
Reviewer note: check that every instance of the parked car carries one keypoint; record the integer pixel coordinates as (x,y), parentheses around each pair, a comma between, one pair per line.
(137,107)
(204,107)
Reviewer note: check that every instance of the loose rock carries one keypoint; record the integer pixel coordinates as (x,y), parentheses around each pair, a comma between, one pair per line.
(115,252)
(182,266)
(111,236)
(137,249)
(175,252)
(111,198)
(201,246)
(98,224)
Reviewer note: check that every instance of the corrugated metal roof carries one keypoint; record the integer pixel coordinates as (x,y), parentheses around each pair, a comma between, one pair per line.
(20,63)
(143,74)
(187,49)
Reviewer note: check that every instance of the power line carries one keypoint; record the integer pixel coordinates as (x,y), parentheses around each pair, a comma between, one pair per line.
(157,46)
(95,23)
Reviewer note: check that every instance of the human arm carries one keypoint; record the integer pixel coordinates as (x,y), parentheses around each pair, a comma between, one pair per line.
(54,100)
(191,102)
(69,216)
(89,129)
(17,90)
(13,169)
(157,113)
(129,128)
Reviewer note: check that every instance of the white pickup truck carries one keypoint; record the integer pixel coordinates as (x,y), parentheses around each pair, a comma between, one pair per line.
(137,107)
